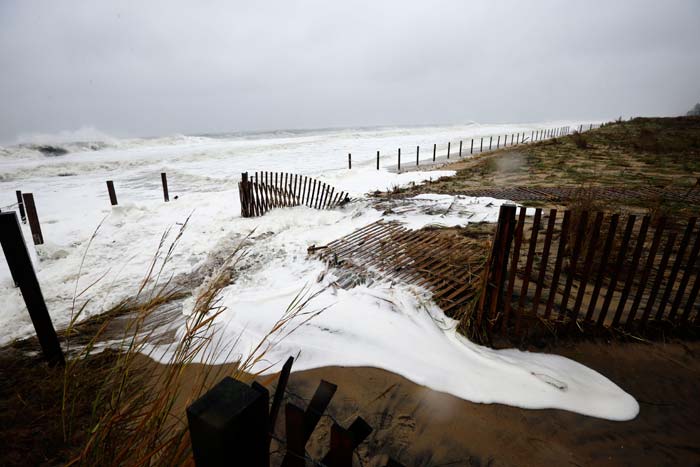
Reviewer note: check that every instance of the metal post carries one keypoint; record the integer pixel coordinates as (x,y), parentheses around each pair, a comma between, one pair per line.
(23,274)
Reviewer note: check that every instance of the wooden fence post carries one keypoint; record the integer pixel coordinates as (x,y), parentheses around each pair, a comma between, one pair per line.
(434,151)
(448,149)
(228,423)
(23,274)
(498,142)
(164,181)
(377,160)
(460,148)
(112,193)
(490,142)
(471,151)
(417,156)
(20,205)
(399,165)
(498,262)
(481,148)
(349,161)
(33,218)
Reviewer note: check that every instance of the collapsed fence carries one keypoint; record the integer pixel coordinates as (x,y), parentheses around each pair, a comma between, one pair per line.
(269,190)
(446,265)
(583,270)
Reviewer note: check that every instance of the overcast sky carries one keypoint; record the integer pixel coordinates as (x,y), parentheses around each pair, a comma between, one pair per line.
(154,68)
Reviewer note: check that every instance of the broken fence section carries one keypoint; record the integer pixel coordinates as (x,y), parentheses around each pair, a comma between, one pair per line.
(266,190)
(582,269)
(234,424)
(432,259)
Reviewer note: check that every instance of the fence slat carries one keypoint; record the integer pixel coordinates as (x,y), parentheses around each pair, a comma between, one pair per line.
(676,267)
(580,232)
(112,193)
(513,268)
(544,261)
(587,265)
(528,267)
(622,253)
(295,455)
(659,277)
(689,269)
(646,272)
(641,238)
(561,251)
(612,229)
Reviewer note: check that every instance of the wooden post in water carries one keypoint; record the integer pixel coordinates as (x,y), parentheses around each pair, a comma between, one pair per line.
(230,421)
(399,165)
(349,161)
(33,218)
(23,274)
(471,151)
(164,180)
(417,155)
(490,142)
(20,205)
(448,149)
(377,160)
(460,148)
(112,193)
(434,151)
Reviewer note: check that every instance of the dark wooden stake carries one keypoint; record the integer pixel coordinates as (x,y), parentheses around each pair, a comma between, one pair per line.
(471,151)
(33,218)
(349,161)
(20,204)
(481,148)
(434,151)
(417,155)
(448,149)
(399,165)
(460,148)
(23,274)
(230,420)
(164,180)
(377,160)
(112,193)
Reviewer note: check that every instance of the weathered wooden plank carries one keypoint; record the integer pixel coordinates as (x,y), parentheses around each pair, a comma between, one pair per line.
(587,266)
(622,253)
(676,267)
(528,267)
(612,229)
(561,252)
(646,271)
(641,238)
(513,268)
(545,258)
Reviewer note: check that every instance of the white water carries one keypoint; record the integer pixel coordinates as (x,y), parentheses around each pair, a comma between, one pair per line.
(390,326)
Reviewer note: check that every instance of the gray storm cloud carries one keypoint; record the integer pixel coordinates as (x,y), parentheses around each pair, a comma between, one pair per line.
(151,68)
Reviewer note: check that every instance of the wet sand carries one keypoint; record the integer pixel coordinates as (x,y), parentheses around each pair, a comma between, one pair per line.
(421,427)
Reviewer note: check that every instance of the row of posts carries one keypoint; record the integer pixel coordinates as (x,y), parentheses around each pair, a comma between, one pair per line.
(515,139)
(28,212)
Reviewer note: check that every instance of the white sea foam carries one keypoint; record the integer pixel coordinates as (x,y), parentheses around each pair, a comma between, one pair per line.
(391,326)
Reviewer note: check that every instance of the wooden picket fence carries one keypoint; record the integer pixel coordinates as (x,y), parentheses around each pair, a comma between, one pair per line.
(588,270)
(268,190)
